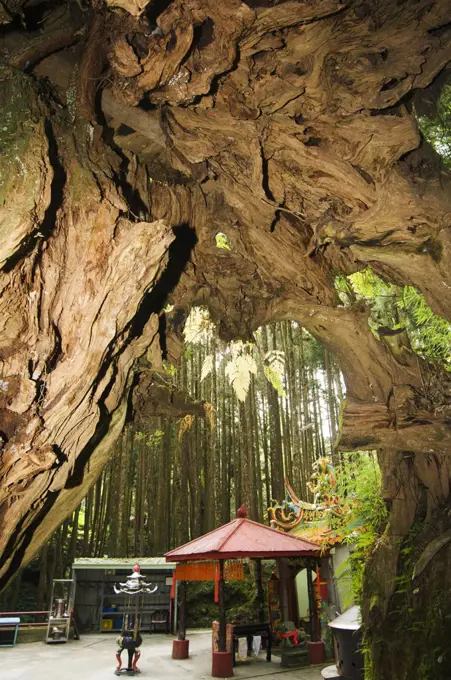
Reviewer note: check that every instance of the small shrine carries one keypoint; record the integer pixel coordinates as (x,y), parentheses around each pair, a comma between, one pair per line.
(242,538)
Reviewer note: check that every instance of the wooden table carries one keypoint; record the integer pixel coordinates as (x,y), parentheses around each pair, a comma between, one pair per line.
(249,630)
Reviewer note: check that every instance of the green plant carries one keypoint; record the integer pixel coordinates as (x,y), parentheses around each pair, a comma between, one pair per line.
(398,308)
(240,599)
(359,483)
(437,129)
(430,335)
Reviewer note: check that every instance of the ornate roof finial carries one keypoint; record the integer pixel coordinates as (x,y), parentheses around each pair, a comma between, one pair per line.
(242,512)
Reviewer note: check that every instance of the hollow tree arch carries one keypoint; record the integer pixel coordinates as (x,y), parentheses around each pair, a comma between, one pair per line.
(132,132)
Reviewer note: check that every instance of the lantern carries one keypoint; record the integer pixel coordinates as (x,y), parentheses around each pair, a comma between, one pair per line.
(135,588)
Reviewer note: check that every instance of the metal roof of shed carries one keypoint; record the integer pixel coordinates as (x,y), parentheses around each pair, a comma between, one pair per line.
(243,538)
(121,563)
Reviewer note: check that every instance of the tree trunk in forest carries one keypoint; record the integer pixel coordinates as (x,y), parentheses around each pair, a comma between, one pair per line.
(122,524)
(72,551)
(289,128)
(87,522)
(331,405)
(264,424)
(161,509)
(275,448)
(96,515)
(246,461)
(257,462)
(41,598)
(114,501)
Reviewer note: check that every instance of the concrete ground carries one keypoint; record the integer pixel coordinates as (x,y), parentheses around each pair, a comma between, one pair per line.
(93,658)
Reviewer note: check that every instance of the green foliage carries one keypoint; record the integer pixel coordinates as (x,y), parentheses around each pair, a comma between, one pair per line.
(437,130)
(380,296)
(344,289)
(274,369)
(344,575)
(152,440)
(359,482)
(367,284)
(240,600)
(429,334)
(169,369)
(397,307)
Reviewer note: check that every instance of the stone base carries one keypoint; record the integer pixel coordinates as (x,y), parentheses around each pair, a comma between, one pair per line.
(316,652)
(331,673)
(222,665)
(294,657)
(180,649)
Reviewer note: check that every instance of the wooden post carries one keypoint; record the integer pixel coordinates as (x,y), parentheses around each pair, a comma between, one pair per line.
(180,647)
(283,574)
(182,612)
(260,594)
(311,602)
(222,640)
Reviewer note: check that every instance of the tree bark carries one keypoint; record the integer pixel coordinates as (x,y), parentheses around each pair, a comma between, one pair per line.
(286,126)
(74,335)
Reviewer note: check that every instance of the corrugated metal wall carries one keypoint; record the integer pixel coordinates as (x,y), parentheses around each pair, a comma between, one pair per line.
(94,592)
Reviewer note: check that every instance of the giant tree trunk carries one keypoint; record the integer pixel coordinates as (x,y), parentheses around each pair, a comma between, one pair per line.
(76,270)
(407,581)
(285,125)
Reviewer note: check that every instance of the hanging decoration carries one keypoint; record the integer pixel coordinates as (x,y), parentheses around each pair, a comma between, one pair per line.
(197,571)
(234,570)
(208,571)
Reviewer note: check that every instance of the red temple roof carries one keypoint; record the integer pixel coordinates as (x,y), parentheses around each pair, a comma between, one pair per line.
(243,538)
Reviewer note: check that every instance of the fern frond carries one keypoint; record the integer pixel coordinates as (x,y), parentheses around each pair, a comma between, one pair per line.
(210,413)
(239,370)
(185,424)
(198,327)
(207,367)
(274,369)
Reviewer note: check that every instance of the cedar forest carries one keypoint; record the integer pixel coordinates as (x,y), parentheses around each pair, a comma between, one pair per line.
(268,409)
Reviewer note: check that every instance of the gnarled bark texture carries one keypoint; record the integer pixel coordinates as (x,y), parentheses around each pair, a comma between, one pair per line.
(137,133)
